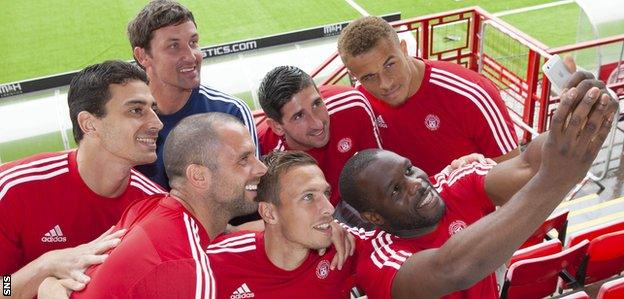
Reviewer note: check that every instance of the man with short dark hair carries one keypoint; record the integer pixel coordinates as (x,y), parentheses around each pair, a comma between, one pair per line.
(282,261)
(59,200)
(435,235)
(211,163)
(331,123)
(165,43)
(428,111)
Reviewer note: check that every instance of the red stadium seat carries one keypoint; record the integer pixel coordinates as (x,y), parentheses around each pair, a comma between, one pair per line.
(537,277)
(558,222)
(612,290)
(597,231)
(577,295)
(537,250)
(605,258)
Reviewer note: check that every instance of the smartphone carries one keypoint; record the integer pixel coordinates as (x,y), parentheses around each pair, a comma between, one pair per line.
(557,73)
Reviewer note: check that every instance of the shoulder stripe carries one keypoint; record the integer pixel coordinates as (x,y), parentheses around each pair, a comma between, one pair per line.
(358,231)
(136,181)
(350,93)
(33,170)
(337,101)
(242,243)
(31,178)
(211,291)
(227,242)
(502,145)
(483,101)
(235,243)
(342,98)
(33,163)
(238,249)
(340,105)
(242,108)
(384,255)
(141,177)
(204,282)
(141,187)
(485,97)
(450,179)
(372,119)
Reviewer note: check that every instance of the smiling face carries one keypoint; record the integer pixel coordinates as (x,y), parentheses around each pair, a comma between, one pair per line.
(305,121)
(238,173)
(386,71)
(402,193)
(304,212)
(174,57)
(129,129)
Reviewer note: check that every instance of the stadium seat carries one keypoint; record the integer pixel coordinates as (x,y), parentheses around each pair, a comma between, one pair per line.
(537,250)
(538,277)
(604,258)
(612,290)
(576,295)
(558,222)
(596,231)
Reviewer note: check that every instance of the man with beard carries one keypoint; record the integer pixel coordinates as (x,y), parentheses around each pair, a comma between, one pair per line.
(165,43)
(434,235)
(214,175)
(211,163)
(282,261)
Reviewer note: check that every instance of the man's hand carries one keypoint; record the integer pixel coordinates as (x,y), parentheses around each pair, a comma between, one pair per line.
(467,159)
(67,263)
(72,262)
(579,127)
(54,288)
(344,242)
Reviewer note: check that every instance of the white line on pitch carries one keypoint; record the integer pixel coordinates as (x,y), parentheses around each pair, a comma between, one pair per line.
(531,8)
(358,8)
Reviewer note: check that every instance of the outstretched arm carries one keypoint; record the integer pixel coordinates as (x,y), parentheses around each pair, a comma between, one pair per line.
(566,154)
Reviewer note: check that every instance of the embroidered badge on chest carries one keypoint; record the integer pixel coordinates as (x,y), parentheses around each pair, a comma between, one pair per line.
(322,269)
(456,226)
(344,145)
(432,122)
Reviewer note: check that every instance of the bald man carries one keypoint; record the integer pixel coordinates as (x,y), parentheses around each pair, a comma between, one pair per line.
(213,174)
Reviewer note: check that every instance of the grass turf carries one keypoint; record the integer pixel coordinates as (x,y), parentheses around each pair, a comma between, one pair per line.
(41,38)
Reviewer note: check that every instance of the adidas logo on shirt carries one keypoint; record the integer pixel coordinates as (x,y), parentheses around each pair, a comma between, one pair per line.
(381,123)
(55,235)
(242,292)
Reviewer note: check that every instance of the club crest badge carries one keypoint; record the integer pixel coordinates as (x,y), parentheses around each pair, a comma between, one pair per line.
(322,269)
(345,144)
(432,122)
(456,226)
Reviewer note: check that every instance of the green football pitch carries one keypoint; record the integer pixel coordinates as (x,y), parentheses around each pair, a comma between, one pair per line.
(42,38)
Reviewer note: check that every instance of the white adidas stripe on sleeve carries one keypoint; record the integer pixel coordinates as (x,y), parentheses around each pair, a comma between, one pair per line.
(483,101)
